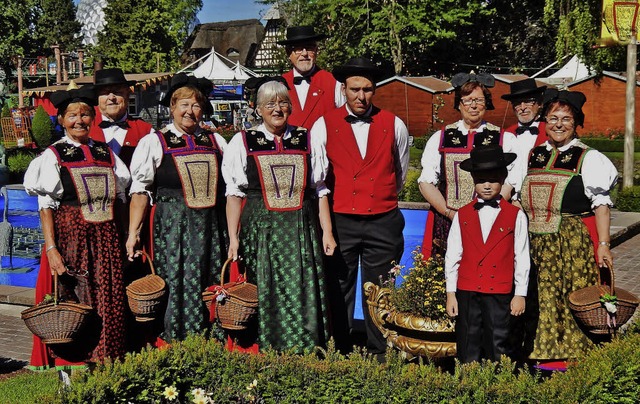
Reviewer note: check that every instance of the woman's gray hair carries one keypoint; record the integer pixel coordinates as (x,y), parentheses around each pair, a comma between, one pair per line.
(270,91)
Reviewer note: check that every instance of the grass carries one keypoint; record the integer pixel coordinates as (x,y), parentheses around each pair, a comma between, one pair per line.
(29,387)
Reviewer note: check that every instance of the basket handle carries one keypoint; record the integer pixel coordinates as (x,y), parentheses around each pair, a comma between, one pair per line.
(609,268)
(55,288)
(224,269)
(148,257)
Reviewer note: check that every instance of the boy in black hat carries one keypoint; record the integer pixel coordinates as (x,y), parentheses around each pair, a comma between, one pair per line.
(312,91)
(487,254)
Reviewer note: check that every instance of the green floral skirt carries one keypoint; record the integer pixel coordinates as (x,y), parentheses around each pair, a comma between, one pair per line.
(283,256)
(565,262)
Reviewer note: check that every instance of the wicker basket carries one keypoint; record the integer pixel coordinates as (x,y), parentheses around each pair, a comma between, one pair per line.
(147,295)
(240,305)
(586,306)
(57,322)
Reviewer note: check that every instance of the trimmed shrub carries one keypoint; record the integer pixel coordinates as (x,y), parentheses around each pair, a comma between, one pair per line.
(42,128)
(19,162)
(610,373)
(628,199)
(608,145)
(411,190)
(420,142)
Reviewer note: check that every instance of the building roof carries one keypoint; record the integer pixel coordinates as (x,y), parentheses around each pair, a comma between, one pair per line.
(142,79)
(510,78)
(429,83)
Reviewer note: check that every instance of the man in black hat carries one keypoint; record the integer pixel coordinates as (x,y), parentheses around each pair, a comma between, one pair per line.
(312,91)
(526,100)
(487,261)
(363,155)
(113,125)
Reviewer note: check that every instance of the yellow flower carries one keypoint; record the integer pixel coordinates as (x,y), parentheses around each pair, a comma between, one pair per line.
(170,393)
(198,392)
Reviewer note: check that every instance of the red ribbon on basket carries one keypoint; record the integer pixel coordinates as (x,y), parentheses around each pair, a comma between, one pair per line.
(235,276)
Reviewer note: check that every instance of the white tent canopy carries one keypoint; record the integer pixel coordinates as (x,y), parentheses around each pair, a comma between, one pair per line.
(573,70)
(214,69)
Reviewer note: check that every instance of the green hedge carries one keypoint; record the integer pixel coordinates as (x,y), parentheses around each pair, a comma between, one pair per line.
(420,142)
(411,190)
(607,374)
(628,199)
(608,145)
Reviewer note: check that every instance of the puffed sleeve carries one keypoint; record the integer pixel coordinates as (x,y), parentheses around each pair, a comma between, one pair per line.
(430,160)
(599,176)
(234,166)
(145,161)
(43,179)
(123,178)
(319,159)
(222,143)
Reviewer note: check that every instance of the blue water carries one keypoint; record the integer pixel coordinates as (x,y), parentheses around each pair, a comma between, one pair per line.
(20,271)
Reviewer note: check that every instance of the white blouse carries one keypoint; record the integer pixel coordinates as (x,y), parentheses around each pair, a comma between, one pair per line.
(234,163)
(43,177)
(147,158)
(431,157)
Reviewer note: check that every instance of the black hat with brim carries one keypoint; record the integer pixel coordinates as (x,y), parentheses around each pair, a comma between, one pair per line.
(301,34)
(490,157)
(358,67)
(62,98)
(523,88)
(182,80)
(111,77)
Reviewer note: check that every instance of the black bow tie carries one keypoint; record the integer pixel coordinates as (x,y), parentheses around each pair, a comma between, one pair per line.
(479,205)
(354,119)
(299,79)
(108,124)
(522,129)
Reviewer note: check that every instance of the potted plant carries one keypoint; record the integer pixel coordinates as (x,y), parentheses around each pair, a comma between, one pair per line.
(412,316)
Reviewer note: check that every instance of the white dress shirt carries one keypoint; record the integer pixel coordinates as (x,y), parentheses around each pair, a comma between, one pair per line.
(43,177)
(320,161)
(147,158)
(116,132)
(488,217)
(302,90)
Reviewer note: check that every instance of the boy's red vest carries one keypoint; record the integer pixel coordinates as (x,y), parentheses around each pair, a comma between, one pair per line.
(362,186)
(487,267)
(320,98)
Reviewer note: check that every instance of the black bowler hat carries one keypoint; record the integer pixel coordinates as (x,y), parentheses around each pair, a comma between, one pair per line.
(488,157)
(301,34)
(180,80)
(62,98)
(254,83)
(524,88)
(111,77)
(575,99)
(358,67)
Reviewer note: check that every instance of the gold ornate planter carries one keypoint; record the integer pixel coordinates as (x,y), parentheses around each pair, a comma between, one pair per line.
(413,335)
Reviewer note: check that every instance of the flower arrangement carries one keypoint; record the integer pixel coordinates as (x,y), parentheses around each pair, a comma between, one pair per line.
(423,292)
(610,302)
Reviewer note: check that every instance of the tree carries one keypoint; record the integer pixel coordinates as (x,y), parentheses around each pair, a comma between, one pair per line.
(57,24)
(42,127)
(141,35)
(17,22)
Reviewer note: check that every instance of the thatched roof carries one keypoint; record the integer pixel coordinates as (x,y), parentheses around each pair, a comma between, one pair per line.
(242,35)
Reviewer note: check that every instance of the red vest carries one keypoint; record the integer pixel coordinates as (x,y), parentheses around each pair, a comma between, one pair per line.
(362,186)
(487,267)
(542,133)
(320,98)
(137,130)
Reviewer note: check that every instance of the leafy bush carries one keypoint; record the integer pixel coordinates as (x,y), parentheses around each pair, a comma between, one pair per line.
(411,190)
(19,162)
(608,145)
(6,111)
(42,128)
(420,142)
(628,199)
(607,374)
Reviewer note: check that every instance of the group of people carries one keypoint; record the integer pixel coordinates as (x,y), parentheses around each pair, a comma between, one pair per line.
(306,198)
(522,218)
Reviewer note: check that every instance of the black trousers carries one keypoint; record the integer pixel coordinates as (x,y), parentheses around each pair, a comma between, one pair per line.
(482,326)
(371,241)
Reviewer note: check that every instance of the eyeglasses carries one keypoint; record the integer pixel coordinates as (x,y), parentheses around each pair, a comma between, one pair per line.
(566,120)
(529,102)
(469,101)
(299,48)
(270,106)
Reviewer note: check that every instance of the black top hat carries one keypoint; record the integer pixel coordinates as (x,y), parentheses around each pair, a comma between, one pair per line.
(575,99)
(358,67)
(182,80)
(301,34)
(523,88)
(62,98)
(488,157)
(111,77)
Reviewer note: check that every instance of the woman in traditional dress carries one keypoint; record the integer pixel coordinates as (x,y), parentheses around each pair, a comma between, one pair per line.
(442,183)
(268,168)
(566,196)
(177,172)
(81,185)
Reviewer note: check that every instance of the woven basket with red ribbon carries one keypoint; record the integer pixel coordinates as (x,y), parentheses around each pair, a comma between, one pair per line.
(602,308)
(233,304)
